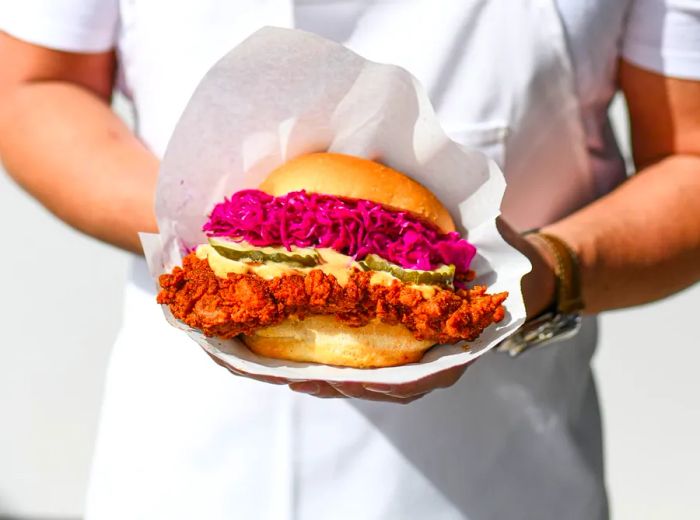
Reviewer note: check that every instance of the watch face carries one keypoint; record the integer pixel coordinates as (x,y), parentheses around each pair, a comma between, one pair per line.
(543,330)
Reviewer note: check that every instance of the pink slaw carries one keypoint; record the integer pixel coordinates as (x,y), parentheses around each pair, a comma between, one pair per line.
(355,227)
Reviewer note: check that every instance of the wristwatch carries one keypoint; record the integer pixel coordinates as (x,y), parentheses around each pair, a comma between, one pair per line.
(563,319)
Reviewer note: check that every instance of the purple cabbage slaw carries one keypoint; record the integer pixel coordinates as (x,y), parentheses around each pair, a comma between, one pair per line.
(354,227)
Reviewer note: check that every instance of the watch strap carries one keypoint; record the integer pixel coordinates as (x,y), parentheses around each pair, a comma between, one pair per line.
(569,298)
(562,320)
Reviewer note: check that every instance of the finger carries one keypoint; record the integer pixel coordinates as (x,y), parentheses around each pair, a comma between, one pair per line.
(273,380)
(442,379)
(349,389)
(315,388)
(507,232)
(358,391)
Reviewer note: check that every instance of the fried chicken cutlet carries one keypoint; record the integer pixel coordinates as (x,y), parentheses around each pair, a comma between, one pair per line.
(243,303)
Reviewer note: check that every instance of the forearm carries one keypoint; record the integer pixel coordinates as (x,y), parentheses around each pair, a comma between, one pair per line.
(642,241)
(67,148)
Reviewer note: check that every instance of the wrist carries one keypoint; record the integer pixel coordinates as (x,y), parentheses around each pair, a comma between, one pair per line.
(540,284)
(563,260)
(552,292)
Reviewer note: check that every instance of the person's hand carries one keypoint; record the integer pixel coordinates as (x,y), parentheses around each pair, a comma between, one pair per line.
(399,393)
(539,285)
(402,393)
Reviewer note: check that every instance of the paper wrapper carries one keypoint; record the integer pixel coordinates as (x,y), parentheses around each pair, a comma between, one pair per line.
(283,93)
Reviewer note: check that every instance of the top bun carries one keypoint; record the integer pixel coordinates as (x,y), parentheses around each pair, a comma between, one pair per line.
(356,178)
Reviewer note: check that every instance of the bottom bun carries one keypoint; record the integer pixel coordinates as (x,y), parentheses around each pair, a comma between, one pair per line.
(323,339)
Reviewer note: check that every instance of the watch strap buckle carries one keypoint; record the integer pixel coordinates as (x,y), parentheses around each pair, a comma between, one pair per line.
(543,330)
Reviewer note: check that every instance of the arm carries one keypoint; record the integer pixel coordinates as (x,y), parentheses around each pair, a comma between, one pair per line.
(61,142)
(642,241)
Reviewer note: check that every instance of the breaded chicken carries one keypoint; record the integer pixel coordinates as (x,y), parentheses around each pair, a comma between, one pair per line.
(243,303)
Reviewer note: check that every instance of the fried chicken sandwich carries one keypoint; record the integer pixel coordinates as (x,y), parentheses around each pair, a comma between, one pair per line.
(336,260)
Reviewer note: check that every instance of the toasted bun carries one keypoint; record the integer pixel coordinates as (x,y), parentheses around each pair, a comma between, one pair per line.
(356,178)
(323,339)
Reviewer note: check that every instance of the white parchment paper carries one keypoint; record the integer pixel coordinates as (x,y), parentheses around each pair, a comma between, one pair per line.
(282,93)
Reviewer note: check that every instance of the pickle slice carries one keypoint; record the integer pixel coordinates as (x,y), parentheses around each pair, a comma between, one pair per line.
(443,275)
(244,252)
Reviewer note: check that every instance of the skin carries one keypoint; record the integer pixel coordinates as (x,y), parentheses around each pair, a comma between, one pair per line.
(637,244)
(92,172)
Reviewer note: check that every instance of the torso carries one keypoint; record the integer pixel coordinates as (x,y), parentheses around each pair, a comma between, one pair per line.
(512,435)
(163,62)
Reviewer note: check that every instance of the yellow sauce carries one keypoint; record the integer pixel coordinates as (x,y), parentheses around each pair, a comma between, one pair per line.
(334,263)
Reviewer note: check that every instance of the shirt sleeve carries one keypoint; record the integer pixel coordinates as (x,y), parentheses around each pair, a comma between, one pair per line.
(664,36)
(65,25)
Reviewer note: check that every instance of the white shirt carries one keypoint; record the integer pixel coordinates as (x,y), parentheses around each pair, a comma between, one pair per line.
(299,445)
(660,35)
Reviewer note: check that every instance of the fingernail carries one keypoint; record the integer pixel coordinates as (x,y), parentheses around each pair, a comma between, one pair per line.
(380,389)
(306,387)
(342,388)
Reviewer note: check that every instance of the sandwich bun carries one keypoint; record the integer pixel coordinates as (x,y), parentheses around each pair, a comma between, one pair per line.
(322,338)
(357,178)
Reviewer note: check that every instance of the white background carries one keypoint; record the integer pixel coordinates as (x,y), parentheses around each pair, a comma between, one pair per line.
(54,348)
